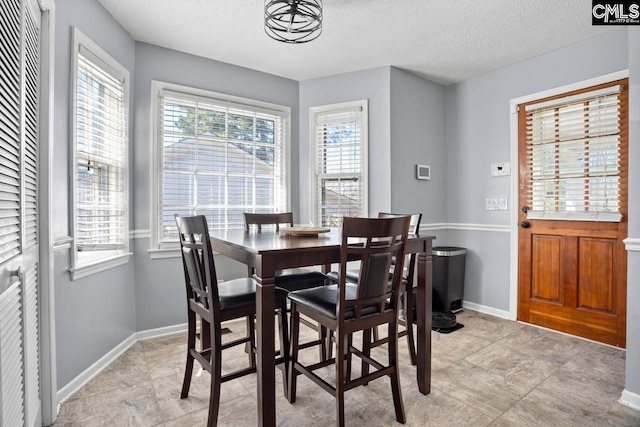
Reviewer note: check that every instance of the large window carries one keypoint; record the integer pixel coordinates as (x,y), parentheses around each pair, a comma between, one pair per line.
(573,151)
(100,156)
(339,162)
(217,156)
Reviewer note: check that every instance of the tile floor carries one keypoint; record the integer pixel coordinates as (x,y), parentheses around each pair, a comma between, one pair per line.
(492,372)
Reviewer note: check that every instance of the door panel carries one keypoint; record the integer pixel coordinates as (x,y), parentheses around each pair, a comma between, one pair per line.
(572,273)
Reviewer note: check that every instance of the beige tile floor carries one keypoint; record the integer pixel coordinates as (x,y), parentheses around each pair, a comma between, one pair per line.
(492,372)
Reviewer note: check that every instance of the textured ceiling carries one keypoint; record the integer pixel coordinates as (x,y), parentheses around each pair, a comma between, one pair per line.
(446,41)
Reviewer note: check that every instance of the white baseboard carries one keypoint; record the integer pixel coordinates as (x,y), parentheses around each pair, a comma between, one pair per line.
(632,400)
(486,309)
(160,332)
(101,364)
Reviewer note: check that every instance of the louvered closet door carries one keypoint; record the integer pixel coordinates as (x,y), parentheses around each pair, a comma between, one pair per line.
(19,322)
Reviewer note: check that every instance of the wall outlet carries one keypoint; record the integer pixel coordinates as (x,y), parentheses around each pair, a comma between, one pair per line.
(496,204)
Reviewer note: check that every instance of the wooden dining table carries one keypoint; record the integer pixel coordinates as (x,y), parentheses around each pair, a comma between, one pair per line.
(270,250)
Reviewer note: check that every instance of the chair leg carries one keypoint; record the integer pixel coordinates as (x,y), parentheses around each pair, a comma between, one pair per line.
(284,343)
(340,378)
(251,331)
(348,356)
(322,336)
(191,346)
(293,354)
(408,316)
(366,350)
(396,390)
(216,376)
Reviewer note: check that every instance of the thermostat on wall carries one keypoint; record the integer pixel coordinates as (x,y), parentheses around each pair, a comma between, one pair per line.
(423,172)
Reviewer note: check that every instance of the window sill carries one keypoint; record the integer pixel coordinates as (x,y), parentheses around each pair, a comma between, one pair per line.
(99,266)
(164,253)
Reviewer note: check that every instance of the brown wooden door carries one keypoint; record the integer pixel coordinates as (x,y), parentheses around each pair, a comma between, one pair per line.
(572,273)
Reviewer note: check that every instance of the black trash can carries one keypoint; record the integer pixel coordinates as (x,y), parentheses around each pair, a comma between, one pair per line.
(448,278)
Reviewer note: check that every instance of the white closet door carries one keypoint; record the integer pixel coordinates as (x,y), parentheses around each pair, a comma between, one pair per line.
(19,137)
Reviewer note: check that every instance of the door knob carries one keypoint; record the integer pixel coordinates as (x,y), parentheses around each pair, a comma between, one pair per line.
(525,224)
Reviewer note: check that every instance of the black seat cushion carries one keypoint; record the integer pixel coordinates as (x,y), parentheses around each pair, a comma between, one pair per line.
(240,293)
(324,300)
(295,279)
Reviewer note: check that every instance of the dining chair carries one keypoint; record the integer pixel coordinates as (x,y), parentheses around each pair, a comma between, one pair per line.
(408,275)
(291,279)
(215,303)
(346,308)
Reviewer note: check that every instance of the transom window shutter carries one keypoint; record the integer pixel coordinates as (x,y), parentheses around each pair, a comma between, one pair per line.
(573,154)
(339,166)
(101,157)
(219,159)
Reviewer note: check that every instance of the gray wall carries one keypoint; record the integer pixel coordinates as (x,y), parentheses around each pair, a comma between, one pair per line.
(418,136)
(478,134)
(160,283)
(633,272)
(95,314)
(372,85)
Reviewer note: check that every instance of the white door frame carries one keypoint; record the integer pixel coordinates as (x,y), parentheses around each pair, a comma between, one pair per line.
(513,112)
(48,371)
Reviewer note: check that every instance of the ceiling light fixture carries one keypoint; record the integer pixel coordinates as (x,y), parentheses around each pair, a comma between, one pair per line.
(293,21)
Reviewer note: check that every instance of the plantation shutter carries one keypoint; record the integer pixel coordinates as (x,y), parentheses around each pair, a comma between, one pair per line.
(10,130)
(101,156)
(573,154)
(19,138)
(219,159)
(339,166)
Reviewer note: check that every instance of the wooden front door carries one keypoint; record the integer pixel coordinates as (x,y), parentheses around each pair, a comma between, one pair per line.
(573,212)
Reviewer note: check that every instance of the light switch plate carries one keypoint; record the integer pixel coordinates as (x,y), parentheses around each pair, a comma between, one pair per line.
(501,169)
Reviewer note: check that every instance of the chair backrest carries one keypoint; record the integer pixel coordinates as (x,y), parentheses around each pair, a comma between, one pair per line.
(376,241)
(260,219)
(199,267)
(414,225)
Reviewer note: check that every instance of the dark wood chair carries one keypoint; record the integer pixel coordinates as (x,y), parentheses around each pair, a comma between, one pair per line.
(215,303)
(291,279)
(408,275)
(346,308)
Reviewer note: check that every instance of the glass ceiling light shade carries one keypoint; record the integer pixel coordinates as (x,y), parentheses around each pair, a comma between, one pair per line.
(293,21)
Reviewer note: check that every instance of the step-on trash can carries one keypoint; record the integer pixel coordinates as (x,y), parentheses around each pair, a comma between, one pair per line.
(448,285)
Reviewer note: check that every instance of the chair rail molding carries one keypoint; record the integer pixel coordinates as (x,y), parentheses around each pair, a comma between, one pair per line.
(62,243)
(466,227)
(632,244)
(140,234)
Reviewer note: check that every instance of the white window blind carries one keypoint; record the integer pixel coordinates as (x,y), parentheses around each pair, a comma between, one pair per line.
(219,159)
(100,159)
(573,154)
(340,185)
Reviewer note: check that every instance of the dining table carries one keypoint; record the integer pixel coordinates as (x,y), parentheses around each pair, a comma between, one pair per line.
(267,251)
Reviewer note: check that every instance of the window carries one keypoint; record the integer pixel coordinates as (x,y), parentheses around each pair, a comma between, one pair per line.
(339,161)
(217,156)
(100,156)
(573,149)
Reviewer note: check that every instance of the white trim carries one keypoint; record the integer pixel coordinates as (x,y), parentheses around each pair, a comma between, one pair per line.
(632,244)
(92,371)
(433,227)
(439,226)
(47,341)
(62,243)
(139,234)
(100,266)
(574,98)
(513,112)
(479,227)
(630,399)
(486,309)
(161,332)
(164,253)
